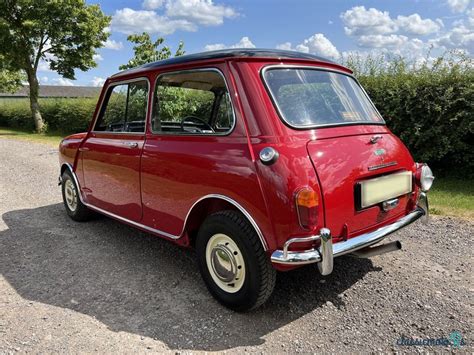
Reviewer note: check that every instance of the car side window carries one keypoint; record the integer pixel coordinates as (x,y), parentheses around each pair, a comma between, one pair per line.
(125,108)
(192,102)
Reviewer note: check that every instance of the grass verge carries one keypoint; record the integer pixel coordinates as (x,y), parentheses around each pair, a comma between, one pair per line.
(52,139)
(452,197)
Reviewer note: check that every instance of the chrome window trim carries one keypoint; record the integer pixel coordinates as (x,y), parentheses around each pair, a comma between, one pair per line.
(209,69)
(122,82)
(165,234)
(320,68)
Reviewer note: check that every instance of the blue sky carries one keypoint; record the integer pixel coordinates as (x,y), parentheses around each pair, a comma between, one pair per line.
(328,28)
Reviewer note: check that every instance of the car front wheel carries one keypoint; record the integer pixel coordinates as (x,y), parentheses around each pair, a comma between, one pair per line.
(74,206)
(232,261)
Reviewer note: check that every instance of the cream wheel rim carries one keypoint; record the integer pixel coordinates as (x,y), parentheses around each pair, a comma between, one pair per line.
(225,263)
(70,194)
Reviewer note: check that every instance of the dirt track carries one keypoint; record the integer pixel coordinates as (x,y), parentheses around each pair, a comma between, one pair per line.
(105,287)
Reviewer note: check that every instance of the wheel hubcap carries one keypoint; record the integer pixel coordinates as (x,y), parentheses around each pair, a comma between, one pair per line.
(70,195)
(225,263)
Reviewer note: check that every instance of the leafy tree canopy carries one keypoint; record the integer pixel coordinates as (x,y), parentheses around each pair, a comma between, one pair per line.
(10,80)
(64,34)
(147,51)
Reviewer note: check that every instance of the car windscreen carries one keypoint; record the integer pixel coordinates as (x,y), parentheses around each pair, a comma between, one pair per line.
(307,98)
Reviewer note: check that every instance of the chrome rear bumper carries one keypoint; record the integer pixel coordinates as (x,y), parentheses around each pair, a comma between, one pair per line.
(325,254)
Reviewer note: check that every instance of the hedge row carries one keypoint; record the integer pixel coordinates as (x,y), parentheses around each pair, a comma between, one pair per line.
(430,108)
(61,115)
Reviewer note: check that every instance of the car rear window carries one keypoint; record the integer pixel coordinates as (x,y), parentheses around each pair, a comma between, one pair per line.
(307,98)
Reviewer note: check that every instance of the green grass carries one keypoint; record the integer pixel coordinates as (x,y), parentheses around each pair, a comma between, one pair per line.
(452,197)
(46,138)
(449,196)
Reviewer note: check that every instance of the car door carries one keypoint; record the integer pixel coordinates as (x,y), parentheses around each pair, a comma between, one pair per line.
(112,152)
(195,148)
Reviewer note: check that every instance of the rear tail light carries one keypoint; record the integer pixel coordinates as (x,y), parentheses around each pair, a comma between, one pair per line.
(424,177)
(307,205)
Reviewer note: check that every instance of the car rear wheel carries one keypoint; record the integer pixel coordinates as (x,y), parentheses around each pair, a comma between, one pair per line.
(232,261)
(74,206)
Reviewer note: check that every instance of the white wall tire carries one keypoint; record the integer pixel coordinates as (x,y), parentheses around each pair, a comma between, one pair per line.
(71,199)
(71,196)
(226,240)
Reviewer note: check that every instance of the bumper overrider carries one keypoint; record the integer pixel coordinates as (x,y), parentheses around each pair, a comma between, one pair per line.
(360,246)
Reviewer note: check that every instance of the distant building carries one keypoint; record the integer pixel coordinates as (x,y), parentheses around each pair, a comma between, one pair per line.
(54,91)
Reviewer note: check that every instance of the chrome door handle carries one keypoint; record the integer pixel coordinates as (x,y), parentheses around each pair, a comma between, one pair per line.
(131,144)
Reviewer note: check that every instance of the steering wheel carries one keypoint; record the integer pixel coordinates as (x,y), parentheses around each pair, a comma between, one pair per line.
(194,119)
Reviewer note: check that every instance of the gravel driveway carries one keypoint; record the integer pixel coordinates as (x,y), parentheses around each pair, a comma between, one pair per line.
(104,287)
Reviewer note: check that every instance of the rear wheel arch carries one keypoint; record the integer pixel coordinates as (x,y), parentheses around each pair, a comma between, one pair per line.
(210,204)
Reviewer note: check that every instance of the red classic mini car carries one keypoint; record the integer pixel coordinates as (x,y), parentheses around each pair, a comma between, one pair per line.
(262,160)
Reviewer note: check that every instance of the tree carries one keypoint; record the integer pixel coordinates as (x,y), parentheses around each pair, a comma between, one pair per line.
(10,80)
(147,51)
(64,34)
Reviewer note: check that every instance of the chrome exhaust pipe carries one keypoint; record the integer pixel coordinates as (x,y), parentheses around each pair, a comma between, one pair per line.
(377,250)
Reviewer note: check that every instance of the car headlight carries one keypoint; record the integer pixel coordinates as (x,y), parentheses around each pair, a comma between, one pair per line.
(426,178)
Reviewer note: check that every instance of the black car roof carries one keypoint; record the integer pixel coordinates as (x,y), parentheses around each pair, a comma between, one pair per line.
(229,53)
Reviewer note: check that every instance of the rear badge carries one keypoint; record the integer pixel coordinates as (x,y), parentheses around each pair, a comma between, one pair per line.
(379,152)
(381,166)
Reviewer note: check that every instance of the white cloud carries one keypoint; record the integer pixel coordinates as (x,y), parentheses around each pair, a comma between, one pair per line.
(44,66)
(382,36)
(215,47)
(97,81)
(203,12)
(458,5)
(470,17)
(360,21)
(316,44)
(97,57)
(244,42)
(414,50)
(62,82)
(43,80)
(414,24)
(375,29)
(284,46)
(111,44)
(152,4)
(460,37)
(129,21)
(381,41)
(174,15)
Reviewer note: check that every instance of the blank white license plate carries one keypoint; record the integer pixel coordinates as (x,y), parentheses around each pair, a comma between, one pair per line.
(380,189)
